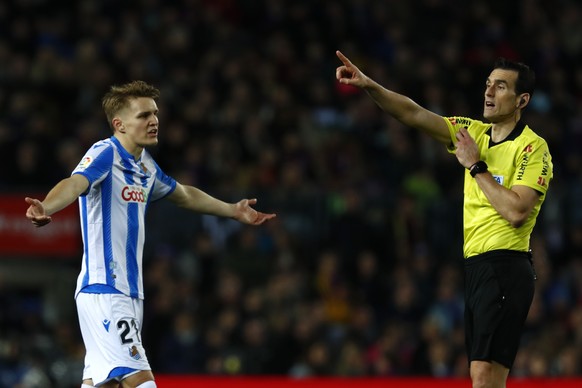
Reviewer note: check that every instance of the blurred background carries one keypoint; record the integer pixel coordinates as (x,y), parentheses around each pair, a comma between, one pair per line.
(361,272)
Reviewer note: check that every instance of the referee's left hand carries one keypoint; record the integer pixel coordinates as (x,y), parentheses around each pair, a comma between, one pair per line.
(467,150)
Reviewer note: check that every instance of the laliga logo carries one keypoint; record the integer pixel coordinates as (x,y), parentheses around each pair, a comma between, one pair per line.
(134,194)
(83,164)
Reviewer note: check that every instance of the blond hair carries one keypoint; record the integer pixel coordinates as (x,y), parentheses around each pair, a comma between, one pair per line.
(119,97)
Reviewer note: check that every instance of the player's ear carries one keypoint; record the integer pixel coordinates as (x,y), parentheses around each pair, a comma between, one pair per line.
(118,125)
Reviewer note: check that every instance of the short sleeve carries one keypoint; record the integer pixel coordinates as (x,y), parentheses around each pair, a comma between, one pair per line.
(455,124)
(96,164)
(164,185)
(534,167)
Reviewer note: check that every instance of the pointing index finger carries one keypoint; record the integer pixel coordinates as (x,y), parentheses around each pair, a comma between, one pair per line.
(343,58)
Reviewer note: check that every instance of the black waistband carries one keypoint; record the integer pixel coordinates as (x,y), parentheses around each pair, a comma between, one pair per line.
(497,254)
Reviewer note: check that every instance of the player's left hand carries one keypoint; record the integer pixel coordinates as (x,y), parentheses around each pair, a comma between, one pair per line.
(247,215)
(467,150)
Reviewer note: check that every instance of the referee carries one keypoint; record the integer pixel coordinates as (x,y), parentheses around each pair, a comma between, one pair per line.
(508,170)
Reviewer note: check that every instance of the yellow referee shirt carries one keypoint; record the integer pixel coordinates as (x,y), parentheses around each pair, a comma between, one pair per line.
(523,158)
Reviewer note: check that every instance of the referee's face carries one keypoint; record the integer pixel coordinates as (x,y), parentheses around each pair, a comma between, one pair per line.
(501,102)
(139,123)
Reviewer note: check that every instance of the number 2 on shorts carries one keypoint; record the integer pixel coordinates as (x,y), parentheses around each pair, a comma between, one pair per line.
(124,330)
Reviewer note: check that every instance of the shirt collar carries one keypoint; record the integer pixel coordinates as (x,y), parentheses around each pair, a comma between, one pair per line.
(519,127)
(122,151)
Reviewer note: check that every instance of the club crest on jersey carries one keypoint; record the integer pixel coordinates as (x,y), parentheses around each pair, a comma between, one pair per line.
(134,353)
(84,163)
(134,194)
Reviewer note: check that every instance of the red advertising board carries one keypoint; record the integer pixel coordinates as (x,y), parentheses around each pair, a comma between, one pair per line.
(169,381)
(18,237)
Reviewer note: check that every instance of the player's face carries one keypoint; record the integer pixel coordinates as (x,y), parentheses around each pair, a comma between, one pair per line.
(140,122)
(501,101)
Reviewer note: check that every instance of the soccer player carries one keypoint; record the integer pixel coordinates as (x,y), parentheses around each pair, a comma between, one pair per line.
(114,183)
(508,170)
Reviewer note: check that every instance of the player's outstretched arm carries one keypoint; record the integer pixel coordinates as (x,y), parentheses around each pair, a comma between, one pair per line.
(60,196)
(401,107)
(194,199)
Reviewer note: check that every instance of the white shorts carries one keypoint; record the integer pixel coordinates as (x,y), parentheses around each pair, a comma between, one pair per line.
(111,329)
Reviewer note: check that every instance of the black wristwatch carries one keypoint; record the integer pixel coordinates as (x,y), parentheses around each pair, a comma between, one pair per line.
(478,168)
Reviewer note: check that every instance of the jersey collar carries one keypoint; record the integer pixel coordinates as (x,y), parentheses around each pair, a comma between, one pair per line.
(519,127)
(122,151)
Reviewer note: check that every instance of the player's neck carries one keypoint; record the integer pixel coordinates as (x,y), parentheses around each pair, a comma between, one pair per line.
(133,149)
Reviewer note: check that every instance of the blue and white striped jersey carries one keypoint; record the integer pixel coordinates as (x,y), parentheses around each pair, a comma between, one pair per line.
(112,216)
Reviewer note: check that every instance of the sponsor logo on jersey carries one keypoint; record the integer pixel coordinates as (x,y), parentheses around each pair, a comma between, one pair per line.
(522,166)
(545,164)
(134,194)
(106,323)
(84,163)
(460,121)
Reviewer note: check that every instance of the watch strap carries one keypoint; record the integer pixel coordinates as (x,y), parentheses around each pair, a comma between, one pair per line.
(478,168)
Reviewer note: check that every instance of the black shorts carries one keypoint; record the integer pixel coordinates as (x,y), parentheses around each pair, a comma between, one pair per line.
(499,289)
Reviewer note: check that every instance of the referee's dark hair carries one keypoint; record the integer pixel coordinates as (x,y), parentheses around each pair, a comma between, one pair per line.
(526,77)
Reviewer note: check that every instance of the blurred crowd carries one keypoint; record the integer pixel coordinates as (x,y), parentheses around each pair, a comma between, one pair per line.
(361,272)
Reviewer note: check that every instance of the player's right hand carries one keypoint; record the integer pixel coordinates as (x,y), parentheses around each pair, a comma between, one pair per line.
(36,212)
(348,73)
(247,215)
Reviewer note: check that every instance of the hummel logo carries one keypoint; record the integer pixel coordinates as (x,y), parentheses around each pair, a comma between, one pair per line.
(106,323)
